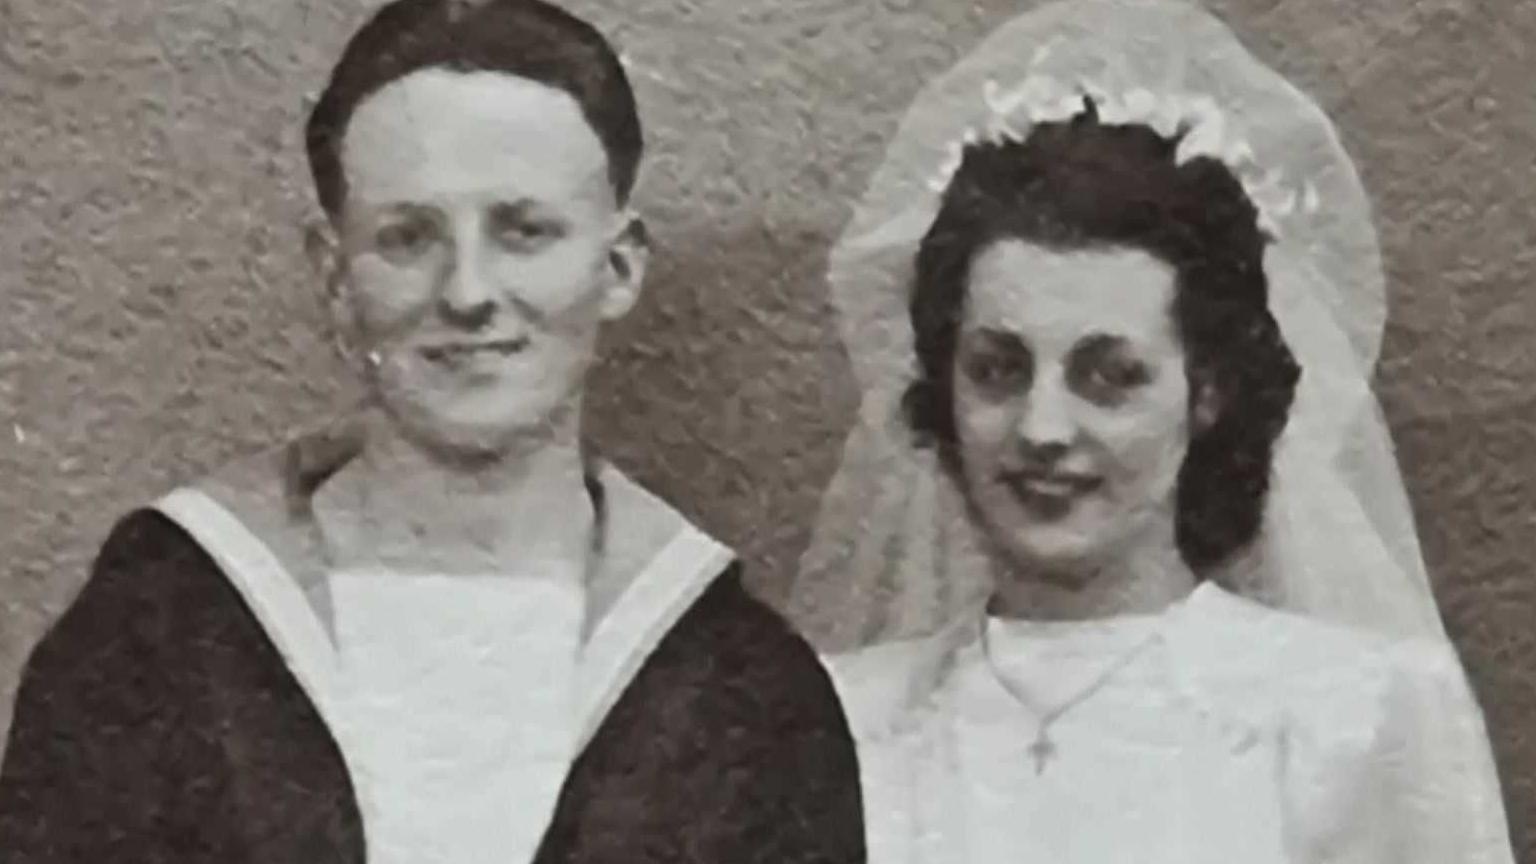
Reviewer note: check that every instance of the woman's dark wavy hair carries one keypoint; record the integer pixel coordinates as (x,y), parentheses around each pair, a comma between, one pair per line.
(1081,184)
(527,38)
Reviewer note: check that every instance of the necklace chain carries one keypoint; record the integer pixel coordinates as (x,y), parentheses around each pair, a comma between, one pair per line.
(1044,749)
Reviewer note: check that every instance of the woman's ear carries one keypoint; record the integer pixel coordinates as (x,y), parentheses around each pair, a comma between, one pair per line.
(1206,402)
(628,254)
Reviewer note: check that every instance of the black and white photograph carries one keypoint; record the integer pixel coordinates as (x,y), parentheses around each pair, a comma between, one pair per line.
(719,431)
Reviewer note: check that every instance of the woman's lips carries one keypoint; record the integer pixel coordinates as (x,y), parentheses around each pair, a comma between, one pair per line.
(1052,485)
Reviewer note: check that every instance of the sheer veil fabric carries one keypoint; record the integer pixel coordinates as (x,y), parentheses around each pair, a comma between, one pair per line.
(892,585)
(893,556)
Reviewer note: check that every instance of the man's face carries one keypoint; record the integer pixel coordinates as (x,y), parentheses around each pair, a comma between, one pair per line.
(481,248)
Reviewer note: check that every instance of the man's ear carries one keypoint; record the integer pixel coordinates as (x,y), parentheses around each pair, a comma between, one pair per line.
(628,254)
(322,248)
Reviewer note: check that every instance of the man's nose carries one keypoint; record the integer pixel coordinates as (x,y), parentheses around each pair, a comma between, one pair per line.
(468,296)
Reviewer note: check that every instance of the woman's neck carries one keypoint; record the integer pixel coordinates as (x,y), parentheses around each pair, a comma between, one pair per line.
(407,507)
(1146,577)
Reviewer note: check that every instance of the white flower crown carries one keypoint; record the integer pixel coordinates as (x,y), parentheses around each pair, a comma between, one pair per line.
(1195,120)
(459,8)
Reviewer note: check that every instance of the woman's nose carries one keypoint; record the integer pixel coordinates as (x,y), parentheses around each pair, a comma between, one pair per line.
(1045,424)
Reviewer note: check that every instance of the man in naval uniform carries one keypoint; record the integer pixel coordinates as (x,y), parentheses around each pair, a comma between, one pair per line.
(439,628)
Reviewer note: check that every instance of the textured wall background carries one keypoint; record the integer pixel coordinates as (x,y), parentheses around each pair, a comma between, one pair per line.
(158,316)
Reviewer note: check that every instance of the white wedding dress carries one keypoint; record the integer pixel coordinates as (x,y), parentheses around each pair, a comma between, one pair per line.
(1218,731)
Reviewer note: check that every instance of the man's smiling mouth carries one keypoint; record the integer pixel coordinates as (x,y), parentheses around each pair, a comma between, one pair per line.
(451,351)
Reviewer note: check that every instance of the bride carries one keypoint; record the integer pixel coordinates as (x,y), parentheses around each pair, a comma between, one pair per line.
(1126,570)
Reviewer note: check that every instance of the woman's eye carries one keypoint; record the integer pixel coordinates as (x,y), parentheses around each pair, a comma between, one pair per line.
(1116,375)
(1105,369)
(998,372)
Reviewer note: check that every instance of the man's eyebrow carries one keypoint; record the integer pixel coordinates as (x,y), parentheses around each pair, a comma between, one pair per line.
(526,208)
(520,206)
(396,208)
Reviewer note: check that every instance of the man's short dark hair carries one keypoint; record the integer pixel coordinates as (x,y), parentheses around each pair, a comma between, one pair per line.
(1082,184)
(527,38)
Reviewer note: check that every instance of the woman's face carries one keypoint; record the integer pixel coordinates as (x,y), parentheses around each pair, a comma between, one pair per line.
(1071,400)
(477,241)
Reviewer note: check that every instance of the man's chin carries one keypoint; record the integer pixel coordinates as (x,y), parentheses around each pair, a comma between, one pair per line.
(471,436)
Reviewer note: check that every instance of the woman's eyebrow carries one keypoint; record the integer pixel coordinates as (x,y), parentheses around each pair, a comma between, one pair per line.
(1004,339)
(1100,343)
(1099,348)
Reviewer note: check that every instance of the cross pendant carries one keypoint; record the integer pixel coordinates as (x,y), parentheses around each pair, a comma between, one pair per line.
(1042,751)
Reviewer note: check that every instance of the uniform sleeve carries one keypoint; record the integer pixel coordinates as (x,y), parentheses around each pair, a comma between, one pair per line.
(111,756)
(729,748)
(1441,799)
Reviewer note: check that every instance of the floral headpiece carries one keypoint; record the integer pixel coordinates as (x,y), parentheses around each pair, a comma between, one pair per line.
(1196,121)
(459,8)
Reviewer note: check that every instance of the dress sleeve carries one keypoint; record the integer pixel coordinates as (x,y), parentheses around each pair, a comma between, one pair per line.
(111,756)
(728,748)
(1440,799)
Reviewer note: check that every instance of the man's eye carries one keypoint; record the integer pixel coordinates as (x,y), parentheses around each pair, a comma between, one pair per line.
(525,234)
(406,238)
